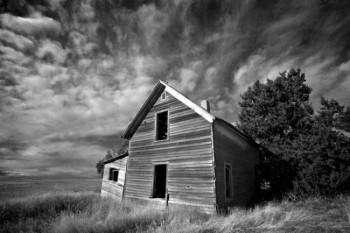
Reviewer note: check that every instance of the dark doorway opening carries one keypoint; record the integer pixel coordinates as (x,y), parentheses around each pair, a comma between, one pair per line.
(159,182)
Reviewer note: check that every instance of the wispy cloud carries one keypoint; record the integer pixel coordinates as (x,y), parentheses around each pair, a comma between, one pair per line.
(75,72)
(33,25)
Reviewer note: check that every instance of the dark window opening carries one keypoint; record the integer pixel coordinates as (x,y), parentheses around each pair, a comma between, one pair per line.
(159,182)
(162,126)
(228,181)
(113,174)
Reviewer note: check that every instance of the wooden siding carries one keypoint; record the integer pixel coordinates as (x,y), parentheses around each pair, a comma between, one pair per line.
(187,151)
(112,188)
(243,156)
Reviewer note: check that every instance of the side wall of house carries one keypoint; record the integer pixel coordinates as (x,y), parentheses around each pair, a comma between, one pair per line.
(231,148)
(188,154)
(113,188)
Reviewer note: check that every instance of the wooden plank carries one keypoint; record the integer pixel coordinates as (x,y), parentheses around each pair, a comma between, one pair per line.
(188,152)
(155,149)
(232,148)
(111,187)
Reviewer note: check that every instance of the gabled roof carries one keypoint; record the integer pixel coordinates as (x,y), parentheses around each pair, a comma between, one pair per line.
(151,100)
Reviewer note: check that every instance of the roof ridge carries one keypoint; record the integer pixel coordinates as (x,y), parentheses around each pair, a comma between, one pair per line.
(191,104)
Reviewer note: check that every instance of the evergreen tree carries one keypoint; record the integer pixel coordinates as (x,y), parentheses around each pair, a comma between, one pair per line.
(309,157)
(276,111)
(344,120)
(100,165)
(330,112)
(321,159)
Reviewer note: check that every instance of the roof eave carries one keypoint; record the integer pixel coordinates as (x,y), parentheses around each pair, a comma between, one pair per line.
(116,158)
(152,98)
(237,131)
(201,111)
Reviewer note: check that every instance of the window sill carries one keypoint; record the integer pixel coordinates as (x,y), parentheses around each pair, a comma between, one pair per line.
(115,182)
(163,140)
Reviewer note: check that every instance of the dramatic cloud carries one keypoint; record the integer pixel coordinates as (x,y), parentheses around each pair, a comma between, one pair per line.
(51,51)
(16,41)
(37,24)
(73,74)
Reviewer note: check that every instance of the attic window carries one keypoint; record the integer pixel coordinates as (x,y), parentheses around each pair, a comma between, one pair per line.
(113,174)
(228,181)
(163,96)
(162,126)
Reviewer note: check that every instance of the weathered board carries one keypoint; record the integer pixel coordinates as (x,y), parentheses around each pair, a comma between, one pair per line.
(112,188)
(188,153)
(243,155)
(187,167)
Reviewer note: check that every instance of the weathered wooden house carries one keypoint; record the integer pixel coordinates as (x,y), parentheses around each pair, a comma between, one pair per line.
(180,153)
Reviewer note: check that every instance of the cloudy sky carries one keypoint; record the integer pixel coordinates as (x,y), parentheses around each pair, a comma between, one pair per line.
(74,73)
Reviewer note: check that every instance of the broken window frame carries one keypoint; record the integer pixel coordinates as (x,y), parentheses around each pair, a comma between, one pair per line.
(112,176)
(228,181)
(156,137)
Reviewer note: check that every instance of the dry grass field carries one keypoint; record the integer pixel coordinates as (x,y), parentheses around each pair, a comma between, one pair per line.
(62,212)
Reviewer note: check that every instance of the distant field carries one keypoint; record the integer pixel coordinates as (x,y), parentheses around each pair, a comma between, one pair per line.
(11,187)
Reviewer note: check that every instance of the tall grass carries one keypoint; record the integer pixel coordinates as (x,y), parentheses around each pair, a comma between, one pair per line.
(346,201)
(35,213)
(109,215)
(87,212)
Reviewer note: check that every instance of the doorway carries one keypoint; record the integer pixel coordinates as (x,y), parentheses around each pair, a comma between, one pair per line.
(159,181)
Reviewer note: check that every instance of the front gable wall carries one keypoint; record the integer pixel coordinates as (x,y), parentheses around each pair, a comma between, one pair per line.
(187,151)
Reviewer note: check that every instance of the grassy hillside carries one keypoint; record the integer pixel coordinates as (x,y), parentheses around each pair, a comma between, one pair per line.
(87,212)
